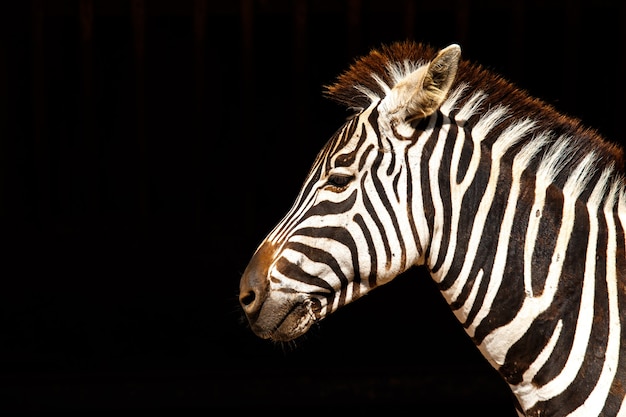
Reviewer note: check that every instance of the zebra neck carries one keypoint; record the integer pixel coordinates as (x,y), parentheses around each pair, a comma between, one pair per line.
(528,251)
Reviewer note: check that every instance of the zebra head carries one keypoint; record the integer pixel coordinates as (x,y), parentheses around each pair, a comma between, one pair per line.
(353,225)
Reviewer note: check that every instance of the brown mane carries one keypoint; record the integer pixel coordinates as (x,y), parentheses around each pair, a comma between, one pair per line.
(347,90)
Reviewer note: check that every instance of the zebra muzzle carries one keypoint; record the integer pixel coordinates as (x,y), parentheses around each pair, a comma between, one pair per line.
(254,284)
(277,315)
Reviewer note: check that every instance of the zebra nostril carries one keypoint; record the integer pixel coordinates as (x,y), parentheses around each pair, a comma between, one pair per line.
(247,298)
(254,284)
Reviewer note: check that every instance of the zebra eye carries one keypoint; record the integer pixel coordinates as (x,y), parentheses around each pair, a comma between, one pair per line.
(339,180)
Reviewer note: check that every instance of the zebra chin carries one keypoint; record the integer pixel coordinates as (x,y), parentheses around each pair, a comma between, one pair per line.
(283,322)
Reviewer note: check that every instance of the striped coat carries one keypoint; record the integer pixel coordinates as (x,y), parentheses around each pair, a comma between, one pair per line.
(517,211)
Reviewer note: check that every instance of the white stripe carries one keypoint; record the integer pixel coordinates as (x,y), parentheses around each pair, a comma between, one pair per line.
(453,98)
(520,163)
(479,132)
(433,168)
(471,106)
(526,387)
(532,307)
(462,312)
(417,204)
(457,192)
(511,135)
(543,179)
(597,398)
(500,340)
(622,409)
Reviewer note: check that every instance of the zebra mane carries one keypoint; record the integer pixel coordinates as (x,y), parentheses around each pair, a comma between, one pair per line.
(371,77)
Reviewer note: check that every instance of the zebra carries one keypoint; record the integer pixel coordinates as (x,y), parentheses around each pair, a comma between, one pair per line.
(517,211)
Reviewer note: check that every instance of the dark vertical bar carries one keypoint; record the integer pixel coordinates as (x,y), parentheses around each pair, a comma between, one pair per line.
(620,91)
(91,163)
(463,12)
(410,11)
(247,38)
(4,105)
(41,146)
(571,60)
(199,30)
(247,98)
(138,24)
(300,64)
(354,17)
(516,52)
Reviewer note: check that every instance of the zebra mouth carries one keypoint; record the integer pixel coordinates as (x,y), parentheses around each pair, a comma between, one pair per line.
(294,321)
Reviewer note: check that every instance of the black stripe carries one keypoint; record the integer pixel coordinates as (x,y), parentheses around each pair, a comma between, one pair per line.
(325,208)
(372,213)
(389,149)
(293,271)
(304,196)
(511,294)
(316,255)
(465,159)
(347,159)
(338,234)
(394,184)
(373,120)
(445,194)
(371,249)
(527,348)
(487,247)
(595,357)
(567,300)
(364,156)
(409,199)
(427,200)
(381,192)
(335,142)
(470,204)
(614,400)
(546,241)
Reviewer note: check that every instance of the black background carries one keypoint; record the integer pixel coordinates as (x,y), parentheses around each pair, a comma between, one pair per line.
(147,147)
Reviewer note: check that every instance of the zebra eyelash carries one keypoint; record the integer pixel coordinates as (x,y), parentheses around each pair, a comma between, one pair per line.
(339,181)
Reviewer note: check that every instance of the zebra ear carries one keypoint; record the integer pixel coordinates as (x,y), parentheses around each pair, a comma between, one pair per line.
(421,93)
